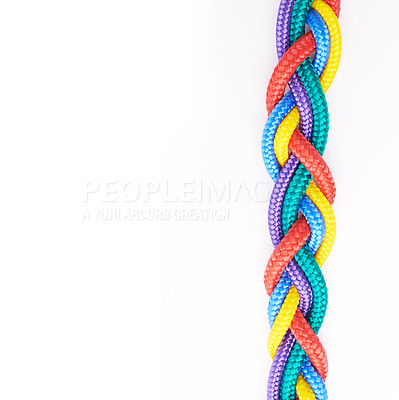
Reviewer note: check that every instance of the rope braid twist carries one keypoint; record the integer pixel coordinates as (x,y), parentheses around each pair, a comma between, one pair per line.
(301,220)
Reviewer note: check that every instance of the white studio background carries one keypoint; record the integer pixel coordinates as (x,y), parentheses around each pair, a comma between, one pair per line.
(107,296)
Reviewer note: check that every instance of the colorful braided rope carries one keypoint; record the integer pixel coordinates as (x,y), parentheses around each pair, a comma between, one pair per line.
(301,220)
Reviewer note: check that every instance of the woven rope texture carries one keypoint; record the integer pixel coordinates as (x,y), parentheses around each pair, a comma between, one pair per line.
(301,220)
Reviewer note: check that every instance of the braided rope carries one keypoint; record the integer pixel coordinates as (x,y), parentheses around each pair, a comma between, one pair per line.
(301,220)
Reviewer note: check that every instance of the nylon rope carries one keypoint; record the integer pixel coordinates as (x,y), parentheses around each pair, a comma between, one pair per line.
(301,220)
